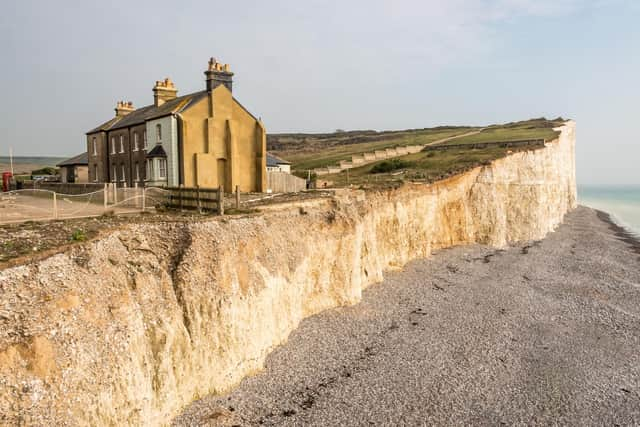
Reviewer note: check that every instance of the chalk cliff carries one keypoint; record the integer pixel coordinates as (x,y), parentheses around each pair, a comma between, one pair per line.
(133,326)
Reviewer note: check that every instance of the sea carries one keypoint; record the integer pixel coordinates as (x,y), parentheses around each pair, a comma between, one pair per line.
(621,202)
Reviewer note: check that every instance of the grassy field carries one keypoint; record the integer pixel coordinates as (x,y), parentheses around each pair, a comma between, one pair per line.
(529,129)
(309,152)
(431,166)
(424,166)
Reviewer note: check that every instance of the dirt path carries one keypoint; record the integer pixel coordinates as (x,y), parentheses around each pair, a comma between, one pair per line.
(542,333)
(451,138)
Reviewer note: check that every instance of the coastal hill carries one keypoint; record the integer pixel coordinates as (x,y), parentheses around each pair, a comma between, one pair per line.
(309,152)
(134,324)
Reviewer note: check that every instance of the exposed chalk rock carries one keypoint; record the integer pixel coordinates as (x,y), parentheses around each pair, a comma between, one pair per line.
(157,315)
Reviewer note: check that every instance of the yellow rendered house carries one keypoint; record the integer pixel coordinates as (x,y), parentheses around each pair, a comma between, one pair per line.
(206,139)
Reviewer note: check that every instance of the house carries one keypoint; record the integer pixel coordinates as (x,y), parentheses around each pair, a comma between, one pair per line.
(276,164)
(202,139)
(75,169)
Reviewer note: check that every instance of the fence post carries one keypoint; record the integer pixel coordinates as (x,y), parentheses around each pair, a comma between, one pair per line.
(55,206)
(143,196)
(198,199)
(237,197)
(220,200)
(115,193)
(104,196)
(180,196)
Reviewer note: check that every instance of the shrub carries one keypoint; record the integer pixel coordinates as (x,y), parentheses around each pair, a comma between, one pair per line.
(390,165)
(45,171)
(78,236)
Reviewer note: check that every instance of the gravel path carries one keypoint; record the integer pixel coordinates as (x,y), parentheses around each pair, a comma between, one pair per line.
(542,333)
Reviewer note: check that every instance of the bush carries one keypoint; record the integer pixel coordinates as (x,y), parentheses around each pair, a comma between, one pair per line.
(45,171)
(390,165)
(78,236)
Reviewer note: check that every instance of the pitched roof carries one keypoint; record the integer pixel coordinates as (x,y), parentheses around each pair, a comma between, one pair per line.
(80,159)
(149,112)
(157,151)
(105,126)
(275,160)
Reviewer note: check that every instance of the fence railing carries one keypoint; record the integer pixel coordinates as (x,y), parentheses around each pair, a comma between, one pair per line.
(39,204)
(196,198)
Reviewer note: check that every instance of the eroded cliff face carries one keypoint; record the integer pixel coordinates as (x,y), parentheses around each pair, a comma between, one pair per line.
(130,328)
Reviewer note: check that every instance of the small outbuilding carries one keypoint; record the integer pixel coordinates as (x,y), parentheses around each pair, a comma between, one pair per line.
(276,164)
(75,169)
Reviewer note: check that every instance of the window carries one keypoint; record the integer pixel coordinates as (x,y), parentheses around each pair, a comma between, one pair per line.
(137,172)
(113,145)
(135,141)
(162,168)
(114,177)
(122,178)
(122,143)
(158,132)
(95,173)
(94,145)
(149,173)
(144,139)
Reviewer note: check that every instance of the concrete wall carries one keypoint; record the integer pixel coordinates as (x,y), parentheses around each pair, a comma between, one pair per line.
(66,188)
(74,174)
(282,182)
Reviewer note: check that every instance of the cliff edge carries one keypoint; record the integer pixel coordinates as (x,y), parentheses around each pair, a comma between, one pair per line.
(132,327)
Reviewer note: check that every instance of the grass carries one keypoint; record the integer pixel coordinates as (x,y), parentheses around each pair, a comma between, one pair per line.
(78,236)
(332,155)
(530,129)
(423,167)
(390,165)
(327,149)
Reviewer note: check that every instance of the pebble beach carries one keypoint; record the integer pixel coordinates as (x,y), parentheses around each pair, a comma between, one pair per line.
(543,332)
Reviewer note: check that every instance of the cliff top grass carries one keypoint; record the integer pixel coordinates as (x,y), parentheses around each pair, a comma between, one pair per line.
(540,128)
(431,166)
(426,166)
(310,151)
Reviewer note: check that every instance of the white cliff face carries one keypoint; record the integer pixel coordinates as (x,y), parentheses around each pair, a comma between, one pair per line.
(130,328)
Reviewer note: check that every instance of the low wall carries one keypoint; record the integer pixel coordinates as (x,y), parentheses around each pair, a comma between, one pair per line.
(65,188)
(282,182)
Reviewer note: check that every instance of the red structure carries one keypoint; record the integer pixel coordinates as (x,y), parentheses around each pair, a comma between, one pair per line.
(6,177)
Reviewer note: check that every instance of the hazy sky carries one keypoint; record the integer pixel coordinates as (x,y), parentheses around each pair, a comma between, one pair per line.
(321,65)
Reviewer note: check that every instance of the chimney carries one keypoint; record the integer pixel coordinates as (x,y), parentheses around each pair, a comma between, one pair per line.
(124,108)
(218,74)
(164,91)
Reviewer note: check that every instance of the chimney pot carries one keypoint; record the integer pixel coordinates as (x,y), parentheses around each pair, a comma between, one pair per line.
(123,108)
(218,74)
(164,91)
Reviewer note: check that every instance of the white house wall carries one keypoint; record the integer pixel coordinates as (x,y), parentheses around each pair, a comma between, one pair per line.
(169,144)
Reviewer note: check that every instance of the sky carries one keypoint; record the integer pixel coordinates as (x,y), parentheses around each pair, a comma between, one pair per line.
(318,66)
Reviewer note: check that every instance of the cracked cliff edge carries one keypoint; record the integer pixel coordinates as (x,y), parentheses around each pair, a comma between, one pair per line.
(133,326)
